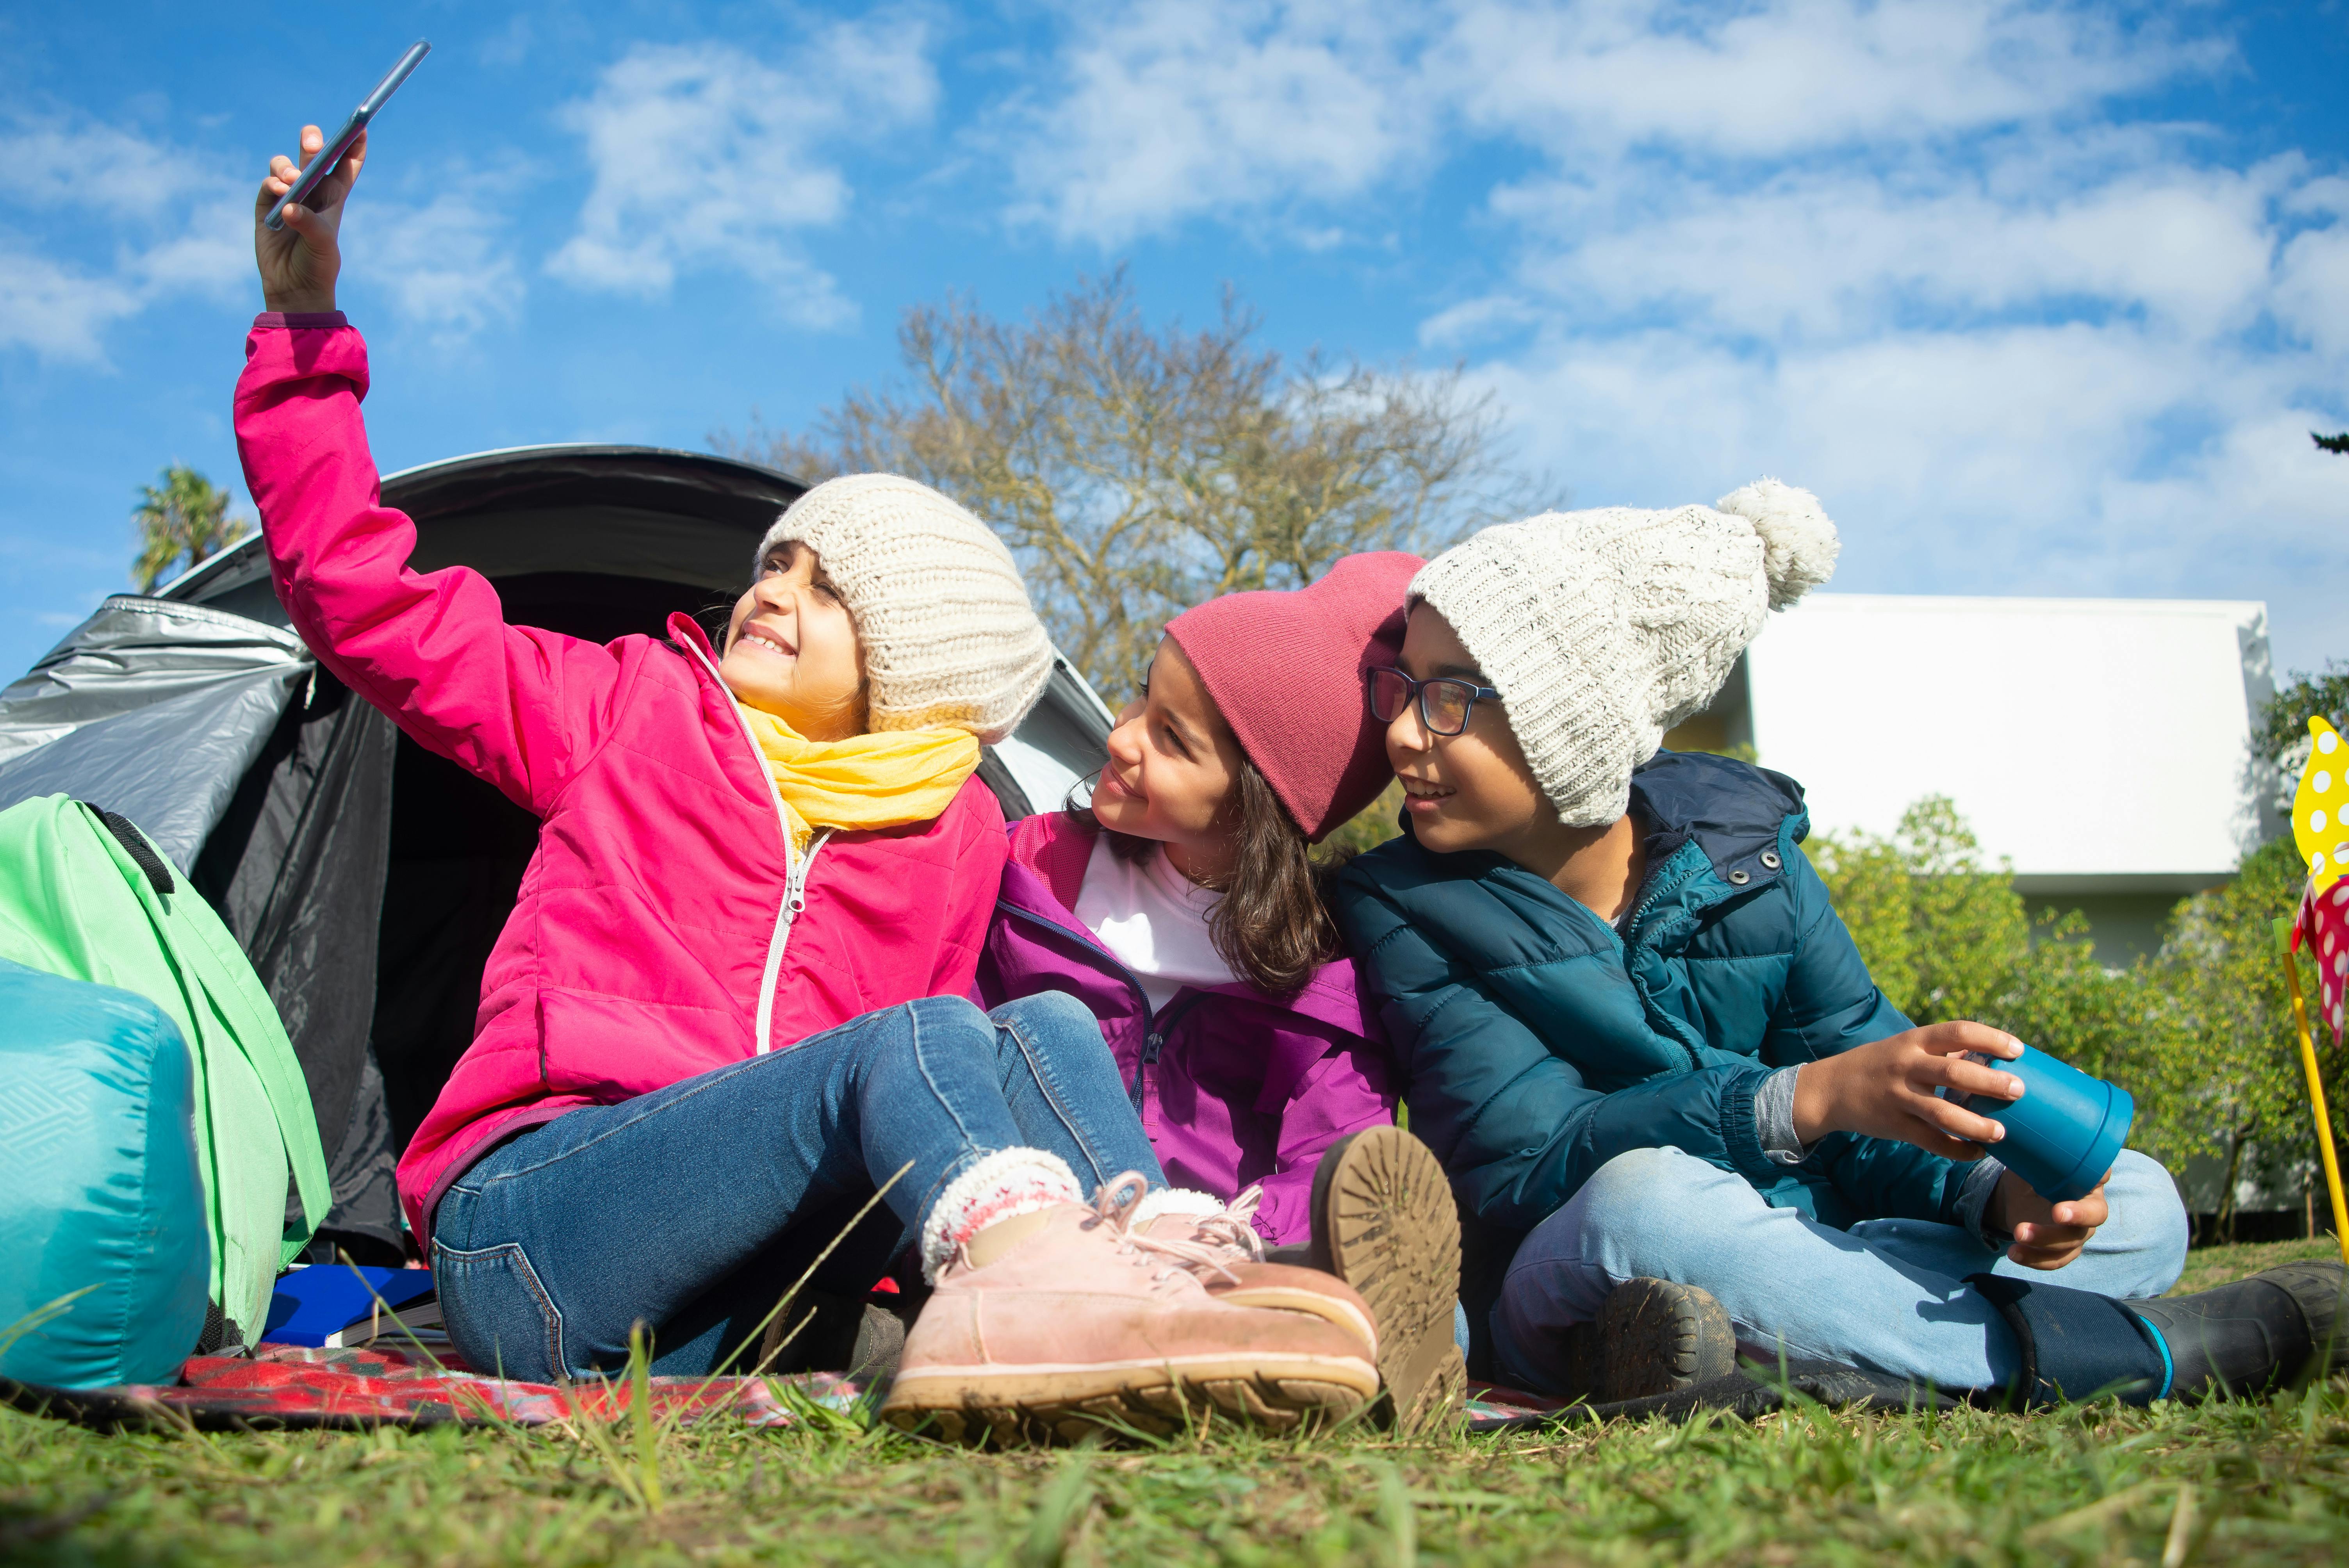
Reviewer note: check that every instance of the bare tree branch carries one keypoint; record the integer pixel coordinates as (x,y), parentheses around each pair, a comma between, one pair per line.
(1135,471)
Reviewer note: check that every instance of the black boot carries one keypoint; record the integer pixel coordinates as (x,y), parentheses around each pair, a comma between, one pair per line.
(1651,1336)
(2248,1336)
(2075,1344)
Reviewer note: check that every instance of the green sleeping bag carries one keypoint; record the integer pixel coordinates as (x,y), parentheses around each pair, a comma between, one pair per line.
(87,897)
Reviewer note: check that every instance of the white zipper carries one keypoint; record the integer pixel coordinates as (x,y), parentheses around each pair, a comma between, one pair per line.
(795,872)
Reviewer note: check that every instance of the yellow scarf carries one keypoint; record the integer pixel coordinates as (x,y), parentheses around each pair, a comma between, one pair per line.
(880,780)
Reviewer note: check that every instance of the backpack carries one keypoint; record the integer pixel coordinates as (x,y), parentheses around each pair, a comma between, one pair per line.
(88,896)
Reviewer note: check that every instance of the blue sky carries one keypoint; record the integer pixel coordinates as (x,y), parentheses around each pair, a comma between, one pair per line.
(2040,298)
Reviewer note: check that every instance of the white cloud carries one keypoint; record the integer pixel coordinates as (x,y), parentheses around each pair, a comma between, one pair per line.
(445,264)
(50,163)
(100,225)
(1842,250)
(1791,76)
(1176,108)
(56,313)
(705,156)
(1916,255)
(1165,111)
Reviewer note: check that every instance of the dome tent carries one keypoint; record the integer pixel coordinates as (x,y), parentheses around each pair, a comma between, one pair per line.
(365,877)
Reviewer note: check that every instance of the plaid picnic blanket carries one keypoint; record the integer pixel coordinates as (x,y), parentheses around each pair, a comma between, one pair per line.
(294,1386)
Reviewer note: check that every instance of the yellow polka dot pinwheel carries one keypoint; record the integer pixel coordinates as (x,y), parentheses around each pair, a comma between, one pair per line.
(2323,923)
(2320,806)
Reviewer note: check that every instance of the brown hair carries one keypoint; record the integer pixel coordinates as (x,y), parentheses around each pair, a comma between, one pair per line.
(1273,924)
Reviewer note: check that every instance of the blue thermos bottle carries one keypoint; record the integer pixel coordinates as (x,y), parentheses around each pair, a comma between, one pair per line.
(2064,1132)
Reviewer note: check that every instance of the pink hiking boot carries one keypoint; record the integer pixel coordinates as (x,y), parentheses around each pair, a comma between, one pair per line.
(1083,1324)
(1225,1252)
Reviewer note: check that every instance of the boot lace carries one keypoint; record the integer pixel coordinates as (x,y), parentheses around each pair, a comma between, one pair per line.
(1233,1230)
(1115,1204)
(1217,1242)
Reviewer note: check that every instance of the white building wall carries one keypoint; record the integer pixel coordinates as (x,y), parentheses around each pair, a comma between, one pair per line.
(2101,745)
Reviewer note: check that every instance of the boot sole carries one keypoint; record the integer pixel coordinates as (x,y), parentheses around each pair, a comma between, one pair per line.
(1655,1336)
(1385,1223)
(1162,1398)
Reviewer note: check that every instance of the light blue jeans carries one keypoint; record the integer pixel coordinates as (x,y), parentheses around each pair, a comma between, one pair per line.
(1886,1294)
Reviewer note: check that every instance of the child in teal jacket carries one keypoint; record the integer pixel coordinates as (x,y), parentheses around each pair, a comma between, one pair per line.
(1633,1027)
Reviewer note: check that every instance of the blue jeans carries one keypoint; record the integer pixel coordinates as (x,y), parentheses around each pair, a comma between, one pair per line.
(1886,1294)
(695,1207)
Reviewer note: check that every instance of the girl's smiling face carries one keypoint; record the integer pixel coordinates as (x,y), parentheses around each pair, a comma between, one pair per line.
(1173,765)
(791,648)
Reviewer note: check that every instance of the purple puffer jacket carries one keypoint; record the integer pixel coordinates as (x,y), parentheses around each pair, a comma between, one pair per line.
(1235,1088)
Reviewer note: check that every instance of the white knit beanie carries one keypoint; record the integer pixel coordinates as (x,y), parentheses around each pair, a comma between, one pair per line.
(1603,629)
(948,634)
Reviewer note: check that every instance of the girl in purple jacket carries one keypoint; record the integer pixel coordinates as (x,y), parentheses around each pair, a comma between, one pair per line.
(1184,907)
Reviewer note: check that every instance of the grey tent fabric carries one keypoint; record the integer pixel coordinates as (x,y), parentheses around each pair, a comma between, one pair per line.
(151,709)
(295,868)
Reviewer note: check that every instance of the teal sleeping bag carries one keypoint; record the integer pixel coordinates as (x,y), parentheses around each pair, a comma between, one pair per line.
(99,1190)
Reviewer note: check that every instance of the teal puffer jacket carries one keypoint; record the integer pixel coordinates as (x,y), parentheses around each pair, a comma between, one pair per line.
(1537,1044)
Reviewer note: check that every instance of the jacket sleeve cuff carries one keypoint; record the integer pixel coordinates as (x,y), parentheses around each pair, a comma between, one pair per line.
(298,319)
(1773,1117)
(1973,1202)
(1741,1135)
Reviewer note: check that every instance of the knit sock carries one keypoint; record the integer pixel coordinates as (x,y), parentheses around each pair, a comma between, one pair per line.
(1184,1201)
(997,1186)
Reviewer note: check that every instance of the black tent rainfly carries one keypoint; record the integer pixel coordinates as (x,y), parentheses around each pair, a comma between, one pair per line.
(365,877)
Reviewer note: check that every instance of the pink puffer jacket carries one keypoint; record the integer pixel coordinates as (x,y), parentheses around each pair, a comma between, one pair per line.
(663,927)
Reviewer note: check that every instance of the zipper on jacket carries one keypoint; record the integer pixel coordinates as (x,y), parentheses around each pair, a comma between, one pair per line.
(795,869)
(1631,930)
(1155,1028)
(1156,1040)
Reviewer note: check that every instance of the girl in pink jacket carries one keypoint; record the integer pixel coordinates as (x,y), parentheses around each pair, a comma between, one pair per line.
(729,1006)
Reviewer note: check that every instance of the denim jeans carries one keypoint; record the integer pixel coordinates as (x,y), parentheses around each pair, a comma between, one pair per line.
(694,1208)
(1886,1294)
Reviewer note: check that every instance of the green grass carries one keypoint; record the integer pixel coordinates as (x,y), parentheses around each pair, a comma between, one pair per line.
(2267,1480)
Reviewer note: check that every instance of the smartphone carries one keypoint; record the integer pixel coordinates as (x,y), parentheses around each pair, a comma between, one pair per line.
(337,145)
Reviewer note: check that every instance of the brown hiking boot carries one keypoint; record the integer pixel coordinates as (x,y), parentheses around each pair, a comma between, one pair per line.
(1079,1325)
(1225,1254)
(1384,1222)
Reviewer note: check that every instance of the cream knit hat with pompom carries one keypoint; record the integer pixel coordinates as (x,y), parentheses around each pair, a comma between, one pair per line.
(1603,629)
(949,637)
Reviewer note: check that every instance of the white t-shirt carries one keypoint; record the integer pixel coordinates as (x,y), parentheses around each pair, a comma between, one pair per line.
(1153,919)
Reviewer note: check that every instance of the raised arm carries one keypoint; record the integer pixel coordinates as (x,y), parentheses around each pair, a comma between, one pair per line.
(518,707)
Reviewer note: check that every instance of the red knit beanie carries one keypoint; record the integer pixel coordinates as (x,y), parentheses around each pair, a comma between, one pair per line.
(1286,670)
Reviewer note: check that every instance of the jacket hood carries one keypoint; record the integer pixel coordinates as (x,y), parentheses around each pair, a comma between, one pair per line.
(1733,811)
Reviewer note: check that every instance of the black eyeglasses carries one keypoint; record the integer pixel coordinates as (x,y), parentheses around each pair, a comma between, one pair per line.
(1444,702)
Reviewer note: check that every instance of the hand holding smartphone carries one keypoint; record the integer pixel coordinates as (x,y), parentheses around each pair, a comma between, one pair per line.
(339,145)
(299,258)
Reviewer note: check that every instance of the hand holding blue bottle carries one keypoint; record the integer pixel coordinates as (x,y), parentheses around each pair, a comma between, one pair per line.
(1960,1089)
